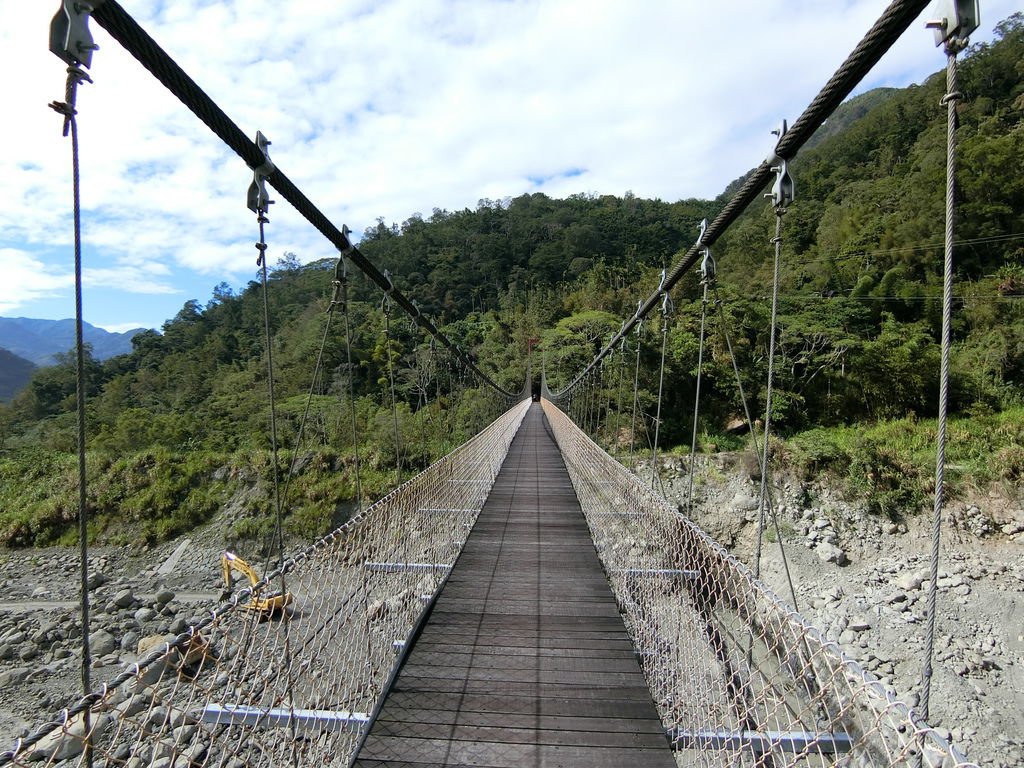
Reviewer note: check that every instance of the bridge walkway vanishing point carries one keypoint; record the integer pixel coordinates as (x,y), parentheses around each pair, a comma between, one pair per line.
(525,660)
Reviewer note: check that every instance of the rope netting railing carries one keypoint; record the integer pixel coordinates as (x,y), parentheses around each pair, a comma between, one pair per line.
(739,677)
(220,694)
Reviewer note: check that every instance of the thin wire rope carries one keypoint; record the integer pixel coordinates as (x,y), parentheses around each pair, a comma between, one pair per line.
(309,401)
(394,401)
(67,108)
(950,99)
(636,383)
(607,401)
(351,392)
(696,397)
(588,391)
(618,404)
(261,246)
(762,499)
(753,434)
(655,474)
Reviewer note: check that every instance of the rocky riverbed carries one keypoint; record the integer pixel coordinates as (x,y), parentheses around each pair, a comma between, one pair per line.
(861,579)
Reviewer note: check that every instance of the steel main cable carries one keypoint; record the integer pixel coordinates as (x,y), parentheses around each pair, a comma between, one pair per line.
(126,31)
(886,30)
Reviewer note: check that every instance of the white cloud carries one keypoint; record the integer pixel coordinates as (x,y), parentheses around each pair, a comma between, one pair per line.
(387,108)
(26,278)
(122,327)
(128,278)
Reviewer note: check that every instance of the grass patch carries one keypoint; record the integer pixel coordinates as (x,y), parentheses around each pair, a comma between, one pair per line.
(891,465)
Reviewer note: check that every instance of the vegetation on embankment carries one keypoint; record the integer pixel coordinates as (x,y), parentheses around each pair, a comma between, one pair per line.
(858,343)
(890,465)
(156,493)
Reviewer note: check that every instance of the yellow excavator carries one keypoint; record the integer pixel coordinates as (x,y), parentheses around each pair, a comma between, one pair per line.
(266,604)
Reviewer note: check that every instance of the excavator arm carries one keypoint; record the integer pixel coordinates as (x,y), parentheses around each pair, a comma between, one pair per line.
(229,562)
(266,605)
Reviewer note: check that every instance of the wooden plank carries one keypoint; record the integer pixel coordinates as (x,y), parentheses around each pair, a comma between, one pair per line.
(526,720)
(525,659)
(511,755)
(506,734)
(638,692)
(400,702)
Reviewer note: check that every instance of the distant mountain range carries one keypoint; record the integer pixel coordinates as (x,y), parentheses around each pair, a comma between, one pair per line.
(40,341)
(15,373)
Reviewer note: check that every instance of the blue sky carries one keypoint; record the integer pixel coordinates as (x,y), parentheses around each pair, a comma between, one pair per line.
(388,108)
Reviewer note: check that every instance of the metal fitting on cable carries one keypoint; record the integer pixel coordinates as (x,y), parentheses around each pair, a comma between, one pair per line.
(783,191)
(258,199)
(707,264)
(349,248)
(340,283)
(957,20)
(70,38)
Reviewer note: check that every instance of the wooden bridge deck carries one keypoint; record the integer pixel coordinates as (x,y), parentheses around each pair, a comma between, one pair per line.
(525,660)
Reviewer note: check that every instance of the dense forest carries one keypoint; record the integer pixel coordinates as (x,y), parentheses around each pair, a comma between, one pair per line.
(180,425)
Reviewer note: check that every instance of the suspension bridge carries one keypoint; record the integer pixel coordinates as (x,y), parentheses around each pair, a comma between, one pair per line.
(526,600)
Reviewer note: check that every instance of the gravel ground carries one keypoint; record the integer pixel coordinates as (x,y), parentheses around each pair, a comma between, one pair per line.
(860,579)
(863,581)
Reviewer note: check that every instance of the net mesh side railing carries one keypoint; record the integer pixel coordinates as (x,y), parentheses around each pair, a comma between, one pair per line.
(738,676)
(238,689)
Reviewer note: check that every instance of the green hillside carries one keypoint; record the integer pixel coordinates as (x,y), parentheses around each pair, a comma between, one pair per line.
(180,426)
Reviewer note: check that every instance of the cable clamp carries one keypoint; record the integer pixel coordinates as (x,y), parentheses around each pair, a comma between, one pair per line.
(341,269)
(957,20)
(783,190)
(258,199)
(70,38)
(345,232)
(708,269)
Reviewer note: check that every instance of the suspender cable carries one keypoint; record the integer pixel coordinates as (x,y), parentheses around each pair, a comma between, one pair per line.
(782,195)
(666,309)
(618,391)
(259,202)
(608,396)
(636,383)
(386,306)
(762,498)
(341,277)
(955,41)
(309,396)
(753,434)
(707,270)
(76,76)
